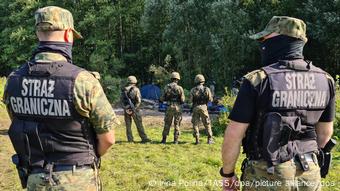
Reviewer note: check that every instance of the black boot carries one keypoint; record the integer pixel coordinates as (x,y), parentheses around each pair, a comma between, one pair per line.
(176,140)
(210,141)
(146,140)
(197,140)
(163,140)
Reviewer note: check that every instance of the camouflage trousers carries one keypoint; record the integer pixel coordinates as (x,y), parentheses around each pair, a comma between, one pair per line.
(288,176)
(173,113)
(200,112)
(137,117)
(79,179)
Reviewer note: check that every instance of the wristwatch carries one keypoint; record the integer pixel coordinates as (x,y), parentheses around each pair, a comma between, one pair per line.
(226,175)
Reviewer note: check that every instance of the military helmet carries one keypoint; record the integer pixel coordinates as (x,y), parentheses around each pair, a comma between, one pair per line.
(132,80)
(284,25)
(199,78)
(53,18)
(175,75)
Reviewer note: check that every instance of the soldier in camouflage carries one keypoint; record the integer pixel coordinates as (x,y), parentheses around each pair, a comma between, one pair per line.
(131,100)
(64,154)
(174,97)
(200,96)
(283,114)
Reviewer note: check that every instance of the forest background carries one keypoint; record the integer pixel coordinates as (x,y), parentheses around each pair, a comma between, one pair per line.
(152,38)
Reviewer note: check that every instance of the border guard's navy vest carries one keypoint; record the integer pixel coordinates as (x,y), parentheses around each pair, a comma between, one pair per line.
(298,94)
(46,127)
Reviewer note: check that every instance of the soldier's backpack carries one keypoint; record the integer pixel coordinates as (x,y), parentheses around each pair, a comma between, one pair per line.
(200,95)
(172,93)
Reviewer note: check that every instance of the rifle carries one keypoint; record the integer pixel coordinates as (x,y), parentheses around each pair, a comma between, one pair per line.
(325,157)
(132,106)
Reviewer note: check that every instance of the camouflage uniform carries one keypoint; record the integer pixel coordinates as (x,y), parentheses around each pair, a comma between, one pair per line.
(133,93)
(89,99)
(174,96)
(200,96)
(287,176)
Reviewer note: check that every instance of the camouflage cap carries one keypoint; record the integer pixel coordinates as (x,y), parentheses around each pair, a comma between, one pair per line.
(284,25)
(53,18)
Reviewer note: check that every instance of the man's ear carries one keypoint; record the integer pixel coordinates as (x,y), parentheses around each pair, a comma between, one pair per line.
(68,35)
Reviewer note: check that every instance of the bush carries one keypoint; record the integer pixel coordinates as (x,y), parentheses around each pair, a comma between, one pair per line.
(111,86)
(222,121)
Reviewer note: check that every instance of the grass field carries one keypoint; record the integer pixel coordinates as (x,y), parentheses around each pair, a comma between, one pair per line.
(151,166)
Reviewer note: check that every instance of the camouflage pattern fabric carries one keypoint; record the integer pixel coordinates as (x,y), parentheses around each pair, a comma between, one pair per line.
(283,25)
(288,176)
(200,111)
(173,89)
(137,117)
(136,98)
(82,179)
(90,99)
(174,110)
(173,113)
(52,18)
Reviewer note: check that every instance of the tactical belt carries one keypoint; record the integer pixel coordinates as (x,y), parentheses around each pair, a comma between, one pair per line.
(59,168)
(309,157)
(307,135)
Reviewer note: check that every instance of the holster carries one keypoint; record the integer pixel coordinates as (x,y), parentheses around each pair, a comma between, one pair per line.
(23,171)
(25,139)
(280,136)
(325,158)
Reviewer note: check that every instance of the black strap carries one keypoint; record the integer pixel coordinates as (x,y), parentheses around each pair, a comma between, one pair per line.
(307,135)
(58,168)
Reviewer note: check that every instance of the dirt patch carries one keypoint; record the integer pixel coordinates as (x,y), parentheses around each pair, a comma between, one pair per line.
(7,170)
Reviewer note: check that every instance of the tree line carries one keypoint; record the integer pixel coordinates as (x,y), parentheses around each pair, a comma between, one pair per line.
(151,38)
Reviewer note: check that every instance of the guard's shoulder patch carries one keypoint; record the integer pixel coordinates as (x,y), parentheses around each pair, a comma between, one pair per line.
(255,77)
(96,75)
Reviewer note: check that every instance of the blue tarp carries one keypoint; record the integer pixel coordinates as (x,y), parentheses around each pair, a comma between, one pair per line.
(150,91)
(212,109)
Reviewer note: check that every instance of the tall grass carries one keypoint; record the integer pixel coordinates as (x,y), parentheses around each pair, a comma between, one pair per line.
(2,86)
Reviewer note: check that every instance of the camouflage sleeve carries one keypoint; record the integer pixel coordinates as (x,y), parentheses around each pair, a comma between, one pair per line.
(182,95)
(91,102)
(138,97)
(191,94)
(162,98)
(209,94)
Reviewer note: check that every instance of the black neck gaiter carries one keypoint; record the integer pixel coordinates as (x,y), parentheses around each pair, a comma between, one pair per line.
(281,48)
(62,48)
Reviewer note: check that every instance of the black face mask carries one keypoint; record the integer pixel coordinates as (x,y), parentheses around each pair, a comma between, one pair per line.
(281,48)
(62,48)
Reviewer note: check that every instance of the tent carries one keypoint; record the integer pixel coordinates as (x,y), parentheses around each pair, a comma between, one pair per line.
(151,91)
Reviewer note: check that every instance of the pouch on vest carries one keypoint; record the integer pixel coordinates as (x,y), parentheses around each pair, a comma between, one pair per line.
(278,138)
(25,138)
